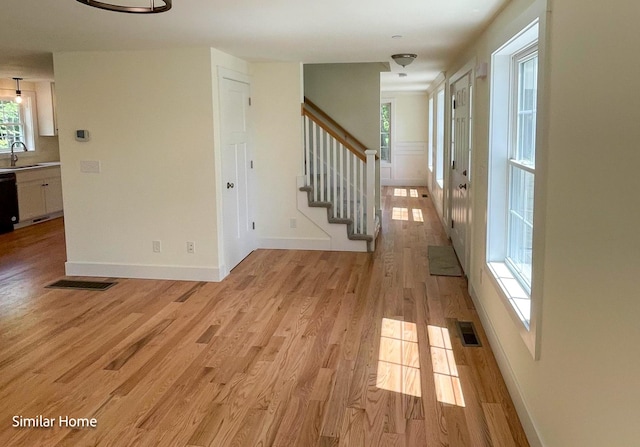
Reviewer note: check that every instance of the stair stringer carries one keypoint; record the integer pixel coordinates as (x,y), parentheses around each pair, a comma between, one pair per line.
(338,231)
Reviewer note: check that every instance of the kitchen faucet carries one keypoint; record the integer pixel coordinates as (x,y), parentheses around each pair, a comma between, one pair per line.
(14,157)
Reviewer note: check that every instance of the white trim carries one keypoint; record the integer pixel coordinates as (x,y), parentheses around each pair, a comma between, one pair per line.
(289,243)
(509,376)
(37,220)
(467,69)
(499,134)
(226,73)
(139,271)
(401,182)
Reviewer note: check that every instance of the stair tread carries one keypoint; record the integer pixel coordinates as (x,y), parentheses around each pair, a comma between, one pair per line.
(336,220)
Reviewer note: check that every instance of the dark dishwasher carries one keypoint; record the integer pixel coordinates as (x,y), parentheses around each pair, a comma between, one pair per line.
(8,202)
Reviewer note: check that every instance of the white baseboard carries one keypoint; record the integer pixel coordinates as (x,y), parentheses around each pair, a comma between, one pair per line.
(282,243)
(169,272)
(37,220)
(507,373)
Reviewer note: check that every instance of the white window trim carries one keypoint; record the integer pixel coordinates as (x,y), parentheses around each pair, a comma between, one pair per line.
(439,155)
(29,121)
(525,312)
(431,127)
(392,130)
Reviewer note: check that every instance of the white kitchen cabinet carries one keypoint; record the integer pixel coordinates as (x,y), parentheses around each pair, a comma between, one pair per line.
(46,106)
(39,193)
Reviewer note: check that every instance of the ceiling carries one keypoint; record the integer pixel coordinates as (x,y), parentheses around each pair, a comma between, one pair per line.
(325,31)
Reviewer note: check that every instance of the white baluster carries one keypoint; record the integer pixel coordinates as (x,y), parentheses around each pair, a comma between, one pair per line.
(307,127)
(342,185)
(323,146)
(334,196)
(314,158)
(361,198)
(371,195)
(348,181)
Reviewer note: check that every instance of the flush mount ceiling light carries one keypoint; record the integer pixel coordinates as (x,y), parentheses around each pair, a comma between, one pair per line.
(404,59)
(18,91)
(134,6)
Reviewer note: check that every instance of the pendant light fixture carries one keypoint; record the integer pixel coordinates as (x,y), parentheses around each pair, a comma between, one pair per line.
(18,91)
(155,6)
(404,59)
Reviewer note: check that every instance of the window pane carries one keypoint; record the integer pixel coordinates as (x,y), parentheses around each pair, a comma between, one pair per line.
(520,222)
(526,110)
(430,156)
(11,128)
(385,131)
(440,138)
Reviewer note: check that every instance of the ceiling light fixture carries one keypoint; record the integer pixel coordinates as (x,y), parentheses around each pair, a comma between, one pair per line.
(404,59)
(18,91)
(155,6)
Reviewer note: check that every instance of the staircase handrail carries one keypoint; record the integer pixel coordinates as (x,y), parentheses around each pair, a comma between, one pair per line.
(338,132)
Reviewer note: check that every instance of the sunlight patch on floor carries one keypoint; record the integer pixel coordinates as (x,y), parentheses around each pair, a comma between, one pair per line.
(399,359)
(400,192)
(417,215)
(445,371)
(413,193)
(400,213)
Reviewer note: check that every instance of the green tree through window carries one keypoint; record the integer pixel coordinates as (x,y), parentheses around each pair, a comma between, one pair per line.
(11,126)
(385,131)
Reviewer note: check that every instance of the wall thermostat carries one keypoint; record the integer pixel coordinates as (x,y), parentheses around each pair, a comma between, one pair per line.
(82,135)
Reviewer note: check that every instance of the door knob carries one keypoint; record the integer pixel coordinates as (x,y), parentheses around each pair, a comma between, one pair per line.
(230,185)
(462,186)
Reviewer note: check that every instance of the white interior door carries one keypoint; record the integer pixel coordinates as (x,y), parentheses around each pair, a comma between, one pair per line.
(237,230)
(460,157)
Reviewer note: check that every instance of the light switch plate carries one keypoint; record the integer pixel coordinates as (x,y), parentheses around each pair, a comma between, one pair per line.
(90,166)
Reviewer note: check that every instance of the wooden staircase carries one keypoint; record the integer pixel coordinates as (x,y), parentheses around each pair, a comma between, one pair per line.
(340,176)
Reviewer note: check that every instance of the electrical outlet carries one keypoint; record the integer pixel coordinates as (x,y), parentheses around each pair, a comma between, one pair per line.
(157,246)
(191,247)
(293,223)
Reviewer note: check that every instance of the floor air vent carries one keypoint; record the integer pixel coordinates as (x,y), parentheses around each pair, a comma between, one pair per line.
(81,285)
(468,335)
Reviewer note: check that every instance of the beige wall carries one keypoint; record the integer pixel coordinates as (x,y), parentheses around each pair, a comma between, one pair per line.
(411,115)
(155,130)
(583,390)
(47,148)
(409,136)
(151,128)
(277,142)
(350,94)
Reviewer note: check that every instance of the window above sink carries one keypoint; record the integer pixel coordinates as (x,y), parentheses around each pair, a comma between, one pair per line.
(16,121)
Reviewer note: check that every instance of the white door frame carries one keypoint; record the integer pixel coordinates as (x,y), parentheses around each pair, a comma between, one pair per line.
(467,69)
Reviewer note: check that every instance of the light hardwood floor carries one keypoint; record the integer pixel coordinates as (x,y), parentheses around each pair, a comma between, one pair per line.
(294,348)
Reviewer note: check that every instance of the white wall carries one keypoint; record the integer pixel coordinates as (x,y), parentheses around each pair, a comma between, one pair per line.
(583,390)
(151,125)
(47,148)
(410,129)
(350,94)
(277,144)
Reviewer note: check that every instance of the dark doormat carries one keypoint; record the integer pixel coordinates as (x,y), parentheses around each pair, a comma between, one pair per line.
(443,261)
(81,285)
